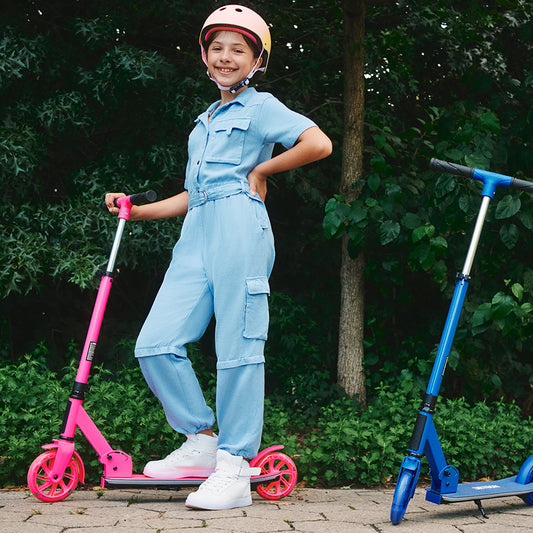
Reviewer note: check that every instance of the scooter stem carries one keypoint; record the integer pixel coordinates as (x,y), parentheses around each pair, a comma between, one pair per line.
(476,236)
(102,297)
(116,244)
(456,306)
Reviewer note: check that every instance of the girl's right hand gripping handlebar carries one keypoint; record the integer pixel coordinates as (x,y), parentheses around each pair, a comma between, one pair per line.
(125,203)
(490,179)
(141,198)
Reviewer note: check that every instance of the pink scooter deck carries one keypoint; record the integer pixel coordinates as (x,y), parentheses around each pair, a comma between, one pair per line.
(141,481)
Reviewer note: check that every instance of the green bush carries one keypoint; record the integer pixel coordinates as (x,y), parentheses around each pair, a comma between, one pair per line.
(34,401)
(351,446)
(354,446)
(342,445)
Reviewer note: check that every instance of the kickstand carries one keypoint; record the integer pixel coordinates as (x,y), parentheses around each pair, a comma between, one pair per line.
(481,509)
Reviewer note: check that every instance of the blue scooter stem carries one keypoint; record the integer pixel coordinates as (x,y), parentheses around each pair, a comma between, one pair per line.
(448,334)
(456,305)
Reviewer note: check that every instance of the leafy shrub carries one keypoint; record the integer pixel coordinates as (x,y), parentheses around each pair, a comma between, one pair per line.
(31,398)
(484,440)
(341,445)
(354,446)
(34,400)
(351,446)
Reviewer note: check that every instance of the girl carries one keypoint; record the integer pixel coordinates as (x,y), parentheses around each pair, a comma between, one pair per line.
(221,263)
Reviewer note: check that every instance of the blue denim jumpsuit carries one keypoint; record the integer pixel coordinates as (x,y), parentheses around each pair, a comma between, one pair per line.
(220,265)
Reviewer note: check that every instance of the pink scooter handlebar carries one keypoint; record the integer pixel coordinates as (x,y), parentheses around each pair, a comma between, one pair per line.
(125,203)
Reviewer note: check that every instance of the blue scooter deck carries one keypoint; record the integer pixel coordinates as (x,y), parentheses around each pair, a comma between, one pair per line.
(481,490)
(140,482)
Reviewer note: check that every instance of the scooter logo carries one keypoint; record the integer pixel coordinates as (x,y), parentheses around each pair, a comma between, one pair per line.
(90,351)
(485,487)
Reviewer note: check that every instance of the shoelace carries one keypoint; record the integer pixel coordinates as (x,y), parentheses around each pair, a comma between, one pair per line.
(220,479)
(186,449)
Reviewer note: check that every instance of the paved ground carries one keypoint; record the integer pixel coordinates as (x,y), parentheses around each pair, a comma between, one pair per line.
(304,510)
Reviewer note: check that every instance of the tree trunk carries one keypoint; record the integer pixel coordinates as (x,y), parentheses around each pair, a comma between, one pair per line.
(350,372)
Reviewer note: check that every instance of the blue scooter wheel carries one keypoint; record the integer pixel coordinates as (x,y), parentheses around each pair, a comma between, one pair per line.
(402,494)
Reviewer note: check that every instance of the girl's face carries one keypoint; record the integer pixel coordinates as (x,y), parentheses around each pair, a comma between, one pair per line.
(229,58)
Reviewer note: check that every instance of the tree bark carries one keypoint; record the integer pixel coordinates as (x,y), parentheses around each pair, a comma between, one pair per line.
(350,373)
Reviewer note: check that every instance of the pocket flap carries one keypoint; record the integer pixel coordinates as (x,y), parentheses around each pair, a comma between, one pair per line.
(234,124)
(258,285)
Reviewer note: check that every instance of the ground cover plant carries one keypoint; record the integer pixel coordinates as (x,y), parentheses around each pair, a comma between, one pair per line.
(333,441)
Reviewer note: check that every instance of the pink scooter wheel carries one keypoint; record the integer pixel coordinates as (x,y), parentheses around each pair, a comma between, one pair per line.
(42,485)
(274,463)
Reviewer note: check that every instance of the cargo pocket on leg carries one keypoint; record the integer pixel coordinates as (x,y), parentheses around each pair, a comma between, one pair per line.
(256,310)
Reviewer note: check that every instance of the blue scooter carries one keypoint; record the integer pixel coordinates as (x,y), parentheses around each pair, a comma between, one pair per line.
(445,486)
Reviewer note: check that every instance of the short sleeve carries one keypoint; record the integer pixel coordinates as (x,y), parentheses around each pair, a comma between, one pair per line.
(279,124)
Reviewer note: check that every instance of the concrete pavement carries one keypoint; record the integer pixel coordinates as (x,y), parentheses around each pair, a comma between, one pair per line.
(304,510)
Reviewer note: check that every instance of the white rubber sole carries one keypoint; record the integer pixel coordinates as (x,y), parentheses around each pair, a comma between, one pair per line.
(216,506)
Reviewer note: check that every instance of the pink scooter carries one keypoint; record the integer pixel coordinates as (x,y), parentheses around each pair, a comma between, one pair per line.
(54,474)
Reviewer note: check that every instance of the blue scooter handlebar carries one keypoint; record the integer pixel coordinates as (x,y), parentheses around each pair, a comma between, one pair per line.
(468,172)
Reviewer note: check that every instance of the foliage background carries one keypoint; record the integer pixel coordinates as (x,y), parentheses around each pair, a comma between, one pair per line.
(101,96)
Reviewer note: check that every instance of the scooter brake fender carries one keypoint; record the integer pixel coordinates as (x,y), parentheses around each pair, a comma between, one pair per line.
(411,463)
(51,446)
(523,476)
(265,452)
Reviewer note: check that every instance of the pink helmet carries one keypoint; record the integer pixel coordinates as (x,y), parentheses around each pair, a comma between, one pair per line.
(240,19)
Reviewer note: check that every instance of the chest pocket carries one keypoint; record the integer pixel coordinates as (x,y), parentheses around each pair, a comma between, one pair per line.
(226,141)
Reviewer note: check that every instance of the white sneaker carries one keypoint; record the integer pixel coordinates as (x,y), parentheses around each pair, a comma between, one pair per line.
(228,487)
(195,458)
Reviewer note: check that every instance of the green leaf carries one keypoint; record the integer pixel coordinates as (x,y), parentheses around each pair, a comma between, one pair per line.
(509,235)
(502,305)
(418,233)
(518,290)
(373,181)
(453,154)
(371,359)
(527,219)
(389,151)
(411,220)
(481,318)
(464,203)
(394,191)
(508,206)
(490,121)
(496,381)
(475,161)
(378,163)
(357,213)
(439,244)
(388,231)
(379,141)
(445,185)
(333,225)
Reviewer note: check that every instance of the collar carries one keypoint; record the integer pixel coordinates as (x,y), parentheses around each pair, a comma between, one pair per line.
(241,99)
